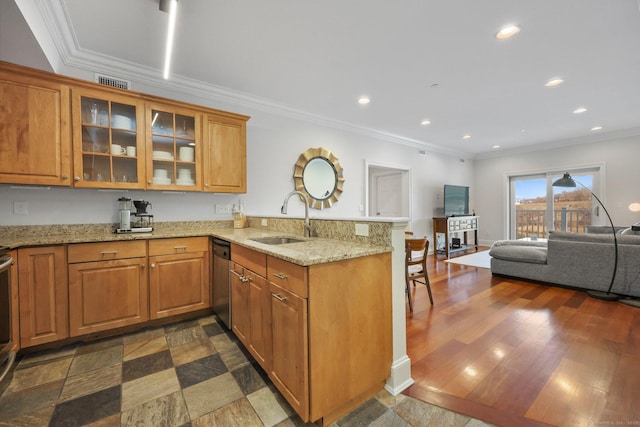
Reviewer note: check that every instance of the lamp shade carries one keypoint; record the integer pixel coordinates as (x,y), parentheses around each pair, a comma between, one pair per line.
(634,207)
(565,181)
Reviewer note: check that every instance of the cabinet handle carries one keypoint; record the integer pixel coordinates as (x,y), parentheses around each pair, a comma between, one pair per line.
(206,185)
(65,176)
(108,253)
(177,248)
(243,279)
(153,265)
(280,276)
(142,266)
(279,297)
(149,182)
(76,178)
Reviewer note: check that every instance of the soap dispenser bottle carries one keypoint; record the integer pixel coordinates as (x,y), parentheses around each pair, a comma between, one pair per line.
(239,217)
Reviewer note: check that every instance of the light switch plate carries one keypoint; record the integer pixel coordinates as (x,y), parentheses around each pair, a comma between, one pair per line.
(362,229)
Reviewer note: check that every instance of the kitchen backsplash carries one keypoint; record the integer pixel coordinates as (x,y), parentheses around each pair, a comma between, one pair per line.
(379,232)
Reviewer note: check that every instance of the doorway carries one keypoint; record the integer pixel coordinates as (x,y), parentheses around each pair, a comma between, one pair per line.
(388,191)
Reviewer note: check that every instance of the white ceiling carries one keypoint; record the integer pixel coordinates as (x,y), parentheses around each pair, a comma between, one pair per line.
(316,57)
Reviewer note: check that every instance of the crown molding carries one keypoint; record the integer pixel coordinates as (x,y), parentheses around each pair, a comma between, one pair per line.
(569,142)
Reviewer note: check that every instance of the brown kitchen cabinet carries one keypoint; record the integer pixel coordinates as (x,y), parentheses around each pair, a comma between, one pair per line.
(251,305)
(225,154)
(35,136)
(239,302)
(329,329)
(290,356)
(108,139)
(178,276)
(42,287)
(107,286)
(174,144)
(65,131)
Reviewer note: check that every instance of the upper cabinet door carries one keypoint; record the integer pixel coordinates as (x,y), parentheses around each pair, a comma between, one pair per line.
(174,148)
(35,136)
(108,140)
(225,155)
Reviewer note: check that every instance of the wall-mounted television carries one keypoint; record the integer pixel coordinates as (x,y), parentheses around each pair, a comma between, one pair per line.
(456,200)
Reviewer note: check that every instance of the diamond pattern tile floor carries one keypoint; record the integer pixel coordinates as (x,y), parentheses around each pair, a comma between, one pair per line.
(191,373)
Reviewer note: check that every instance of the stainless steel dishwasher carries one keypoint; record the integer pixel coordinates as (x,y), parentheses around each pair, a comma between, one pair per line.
(221,295)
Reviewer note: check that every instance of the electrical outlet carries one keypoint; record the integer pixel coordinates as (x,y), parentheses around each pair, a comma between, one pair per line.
(362,229)
(223,209)
(20,208)
(264,222)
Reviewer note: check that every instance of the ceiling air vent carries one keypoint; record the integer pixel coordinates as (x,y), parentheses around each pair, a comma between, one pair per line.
(105,80)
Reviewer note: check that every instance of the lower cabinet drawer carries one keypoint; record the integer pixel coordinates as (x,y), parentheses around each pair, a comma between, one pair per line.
(291,277)
(104,251)
(178,245)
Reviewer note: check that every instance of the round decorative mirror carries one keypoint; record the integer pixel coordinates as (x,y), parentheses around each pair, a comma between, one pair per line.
(319,175)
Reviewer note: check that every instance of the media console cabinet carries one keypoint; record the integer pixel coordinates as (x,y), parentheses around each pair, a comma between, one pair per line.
(451,225)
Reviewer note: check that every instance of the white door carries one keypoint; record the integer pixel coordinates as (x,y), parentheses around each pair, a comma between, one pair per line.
(388,195)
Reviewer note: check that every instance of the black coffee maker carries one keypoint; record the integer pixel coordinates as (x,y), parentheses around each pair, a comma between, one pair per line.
(141,220)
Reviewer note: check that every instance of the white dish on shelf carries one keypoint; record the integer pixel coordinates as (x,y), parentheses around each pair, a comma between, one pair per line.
(162,181)
(162,155)
(122,122)
(181,181)
(160,173)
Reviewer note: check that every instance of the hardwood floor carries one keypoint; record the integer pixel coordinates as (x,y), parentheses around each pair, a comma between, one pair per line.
(516,353)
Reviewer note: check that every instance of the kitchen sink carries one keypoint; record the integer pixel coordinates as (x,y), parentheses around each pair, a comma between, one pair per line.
(276,240)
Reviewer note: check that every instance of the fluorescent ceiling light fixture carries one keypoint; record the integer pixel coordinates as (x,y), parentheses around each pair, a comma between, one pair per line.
(173,11)
(507,32)
(364,100)
(579,110)
(596,128)
(425,122)
(466,136)
(554,82)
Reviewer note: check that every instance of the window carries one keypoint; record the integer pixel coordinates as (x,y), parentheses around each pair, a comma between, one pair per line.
(536,207)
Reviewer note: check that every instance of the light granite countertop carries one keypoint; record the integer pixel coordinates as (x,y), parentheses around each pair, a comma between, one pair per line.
(312,250)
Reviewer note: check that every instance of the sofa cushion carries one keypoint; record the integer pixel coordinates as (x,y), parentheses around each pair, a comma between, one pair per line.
(623,239)
(602,229)
(520,251)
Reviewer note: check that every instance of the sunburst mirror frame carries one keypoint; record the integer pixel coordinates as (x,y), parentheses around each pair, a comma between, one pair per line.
(299,176)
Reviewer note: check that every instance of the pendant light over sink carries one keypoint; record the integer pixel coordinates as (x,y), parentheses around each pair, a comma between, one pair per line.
(170,6)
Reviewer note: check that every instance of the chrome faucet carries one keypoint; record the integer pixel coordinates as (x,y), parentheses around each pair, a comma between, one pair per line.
(303,197)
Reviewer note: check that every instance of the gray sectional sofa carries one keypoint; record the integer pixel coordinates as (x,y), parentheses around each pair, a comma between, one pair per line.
(577,260)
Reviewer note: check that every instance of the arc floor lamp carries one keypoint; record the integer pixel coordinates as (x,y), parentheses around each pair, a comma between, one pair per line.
(567,181)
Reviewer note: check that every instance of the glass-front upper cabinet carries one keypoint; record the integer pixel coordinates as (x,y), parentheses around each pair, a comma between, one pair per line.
(174,141)
(108,140)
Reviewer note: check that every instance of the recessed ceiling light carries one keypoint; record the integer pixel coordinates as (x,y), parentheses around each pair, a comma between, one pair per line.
(363,100)
(495,147)
(554,82)
(596,128)
(579,110)
(466,136)
(425,122)
(507,32)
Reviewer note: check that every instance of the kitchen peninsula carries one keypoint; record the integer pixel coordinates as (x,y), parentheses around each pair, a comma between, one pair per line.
(317,313)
